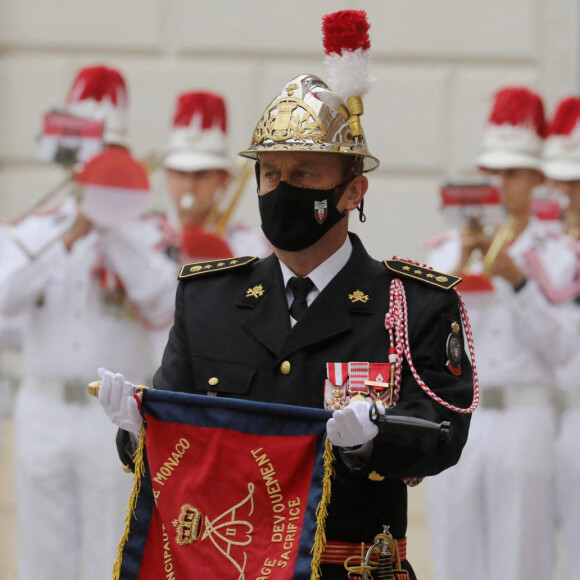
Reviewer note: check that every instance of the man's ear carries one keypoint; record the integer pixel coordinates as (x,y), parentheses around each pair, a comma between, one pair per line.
(356,191)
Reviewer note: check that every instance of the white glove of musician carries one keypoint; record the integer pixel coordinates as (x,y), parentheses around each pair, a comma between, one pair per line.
(351,426)
(116,398)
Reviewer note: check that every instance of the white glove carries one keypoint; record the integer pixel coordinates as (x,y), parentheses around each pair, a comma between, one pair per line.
(116,397)
(351,426)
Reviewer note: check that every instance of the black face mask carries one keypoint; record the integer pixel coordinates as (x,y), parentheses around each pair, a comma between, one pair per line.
(294,218)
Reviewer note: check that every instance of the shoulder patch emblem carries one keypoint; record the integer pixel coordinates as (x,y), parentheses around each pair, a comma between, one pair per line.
(201,268)
(422,274)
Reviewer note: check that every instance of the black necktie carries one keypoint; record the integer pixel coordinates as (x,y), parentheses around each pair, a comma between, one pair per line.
(300,287)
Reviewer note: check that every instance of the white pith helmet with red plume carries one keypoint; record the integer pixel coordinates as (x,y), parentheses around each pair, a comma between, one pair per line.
(198,138)
(309,115)
(100,92)
(562,147)
(514,134)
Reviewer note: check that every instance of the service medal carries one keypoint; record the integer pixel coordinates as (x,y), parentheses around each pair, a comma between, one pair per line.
(379,383)
(335,386)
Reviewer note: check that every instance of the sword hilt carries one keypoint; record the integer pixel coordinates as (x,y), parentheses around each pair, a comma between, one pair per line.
(411,426)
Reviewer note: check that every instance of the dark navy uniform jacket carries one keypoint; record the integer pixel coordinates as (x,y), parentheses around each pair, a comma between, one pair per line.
(242,340)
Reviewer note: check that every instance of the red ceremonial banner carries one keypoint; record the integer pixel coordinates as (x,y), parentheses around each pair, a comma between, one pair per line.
(231,498)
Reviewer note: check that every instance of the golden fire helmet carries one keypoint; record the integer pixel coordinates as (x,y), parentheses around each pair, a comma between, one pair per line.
(308,116)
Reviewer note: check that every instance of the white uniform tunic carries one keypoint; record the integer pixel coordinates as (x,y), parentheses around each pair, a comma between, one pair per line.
(10,340)
(567,491)
(70,486)
(492,514)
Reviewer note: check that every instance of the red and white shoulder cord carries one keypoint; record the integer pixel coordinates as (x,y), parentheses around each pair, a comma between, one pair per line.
(396,323)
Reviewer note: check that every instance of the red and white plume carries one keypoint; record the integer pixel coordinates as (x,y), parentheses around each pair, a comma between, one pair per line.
(346,41)
(100,92)
(514,134)
(562,148)
(115,188)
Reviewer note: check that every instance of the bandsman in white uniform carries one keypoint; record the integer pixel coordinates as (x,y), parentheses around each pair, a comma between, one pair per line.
(10,341)
(199,171)
(492,515)
(199,174)
(562,167)
(88,288)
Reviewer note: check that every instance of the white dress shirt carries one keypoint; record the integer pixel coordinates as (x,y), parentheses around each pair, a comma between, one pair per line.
(321,275)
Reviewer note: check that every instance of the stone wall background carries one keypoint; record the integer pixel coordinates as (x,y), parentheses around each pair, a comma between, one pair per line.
(436,63)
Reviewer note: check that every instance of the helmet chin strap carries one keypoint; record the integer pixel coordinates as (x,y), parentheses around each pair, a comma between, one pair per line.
(362,218)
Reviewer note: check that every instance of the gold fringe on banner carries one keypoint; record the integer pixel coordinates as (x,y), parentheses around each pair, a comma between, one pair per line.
(322,512)
(132,505)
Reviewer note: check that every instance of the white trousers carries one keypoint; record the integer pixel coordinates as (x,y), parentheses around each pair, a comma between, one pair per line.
(491,515)
(568,489)
(70,489)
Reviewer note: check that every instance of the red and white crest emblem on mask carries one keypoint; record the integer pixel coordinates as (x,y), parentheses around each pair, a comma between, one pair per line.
(321,210)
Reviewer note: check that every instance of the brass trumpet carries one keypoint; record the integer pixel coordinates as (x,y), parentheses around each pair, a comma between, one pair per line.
(503,236)
(572,223)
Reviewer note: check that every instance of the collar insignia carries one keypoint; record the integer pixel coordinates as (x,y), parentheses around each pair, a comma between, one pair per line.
(255,292)
(358,296)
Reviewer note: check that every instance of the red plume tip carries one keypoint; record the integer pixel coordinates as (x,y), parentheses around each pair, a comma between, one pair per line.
(567,117)
(345,30)
(519,106)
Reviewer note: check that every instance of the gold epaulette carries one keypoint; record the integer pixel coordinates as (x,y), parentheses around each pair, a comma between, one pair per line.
(422,274)
(200,268)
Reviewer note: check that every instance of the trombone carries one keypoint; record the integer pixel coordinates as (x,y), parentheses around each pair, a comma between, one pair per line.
(219,216)
(50,195)
(151,162)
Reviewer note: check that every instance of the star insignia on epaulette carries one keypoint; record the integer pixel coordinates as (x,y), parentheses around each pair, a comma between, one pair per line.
(201,268)
(422,274)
